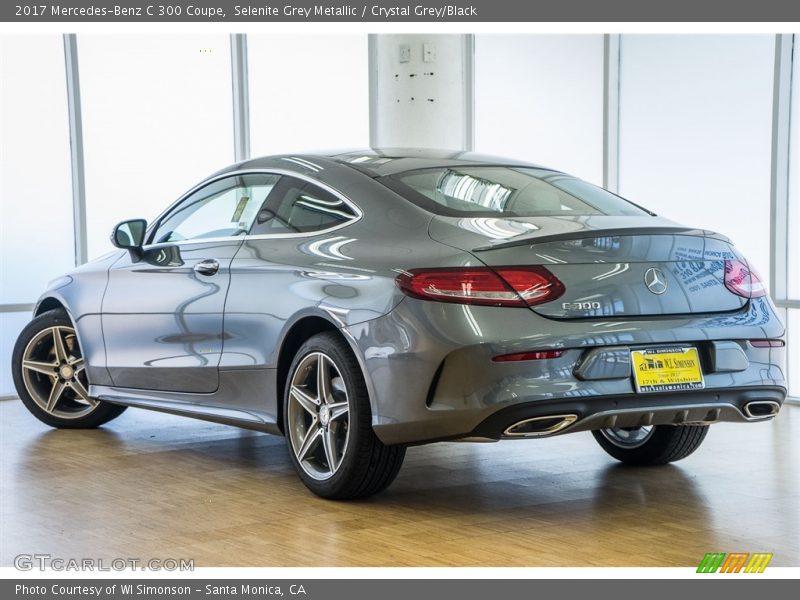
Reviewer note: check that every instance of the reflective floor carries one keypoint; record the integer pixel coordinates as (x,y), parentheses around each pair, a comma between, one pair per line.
(155,486)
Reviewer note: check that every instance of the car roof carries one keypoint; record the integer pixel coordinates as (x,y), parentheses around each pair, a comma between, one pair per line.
(379,162)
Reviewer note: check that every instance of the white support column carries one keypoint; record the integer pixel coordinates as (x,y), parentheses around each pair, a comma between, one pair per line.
(421,91)
(241,97)
(469,92)
(611,57)
(779,193)
(76,147)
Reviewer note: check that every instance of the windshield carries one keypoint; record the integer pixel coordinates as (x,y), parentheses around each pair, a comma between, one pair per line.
(508,192)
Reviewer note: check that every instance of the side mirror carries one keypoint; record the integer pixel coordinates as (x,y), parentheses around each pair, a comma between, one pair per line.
(129,235)
(264,215)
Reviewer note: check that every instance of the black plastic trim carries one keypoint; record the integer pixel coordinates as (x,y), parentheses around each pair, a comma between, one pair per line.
(494,426)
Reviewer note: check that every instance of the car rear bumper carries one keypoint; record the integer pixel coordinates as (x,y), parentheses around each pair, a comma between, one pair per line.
(431,376)
(704,407)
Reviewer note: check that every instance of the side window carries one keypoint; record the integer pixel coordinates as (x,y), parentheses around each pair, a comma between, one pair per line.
(223,208)
(297,206)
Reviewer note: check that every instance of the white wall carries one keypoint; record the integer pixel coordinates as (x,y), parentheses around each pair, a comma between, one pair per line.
(695,132)
(422,100)
(307,92)
(157,118)
(792,320)
(540,98)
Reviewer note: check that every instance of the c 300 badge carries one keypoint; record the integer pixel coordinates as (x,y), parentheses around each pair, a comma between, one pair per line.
(580,305)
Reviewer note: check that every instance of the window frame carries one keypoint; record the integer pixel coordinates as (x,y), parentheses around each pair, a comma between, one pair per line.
(151,229)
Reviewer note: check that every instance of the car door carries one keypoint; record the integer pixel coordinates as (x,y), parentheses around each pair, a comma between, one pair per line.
(280,270)
(163,311)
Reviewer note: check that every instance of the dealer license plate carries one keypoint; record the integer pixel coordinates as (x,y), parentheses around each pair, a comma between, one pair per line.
(666,369)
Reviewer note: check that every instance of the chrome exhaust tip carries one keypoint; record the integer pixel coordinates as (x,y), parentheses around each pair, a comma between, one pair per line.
(761,409)
(539,426)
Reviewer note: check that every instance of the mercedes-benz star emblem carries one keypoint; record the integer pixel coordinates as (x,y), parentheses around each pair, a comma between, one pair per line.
(655,281)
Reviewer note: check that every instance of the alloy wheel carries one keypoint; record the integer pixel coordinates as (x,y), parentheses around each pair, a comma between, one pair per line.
(318,416)
(54,373)
(628,437)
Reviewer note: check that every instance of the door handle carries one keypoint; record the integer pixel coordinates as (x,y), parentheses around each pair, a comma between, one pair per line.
(207,267)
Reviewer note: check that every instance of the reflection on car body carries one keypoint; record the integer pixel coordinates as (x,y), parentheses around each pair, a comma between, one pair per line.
(359,302)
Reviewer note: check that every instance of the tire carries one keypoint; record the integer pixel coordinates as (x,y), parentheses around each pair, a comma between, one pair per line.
(49,366)
(331,443)
(660,445)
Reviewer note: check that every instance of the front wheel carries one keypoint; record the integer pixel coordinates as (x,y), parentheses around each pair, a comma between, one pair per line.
(328,424)
(651,445)
(50,375)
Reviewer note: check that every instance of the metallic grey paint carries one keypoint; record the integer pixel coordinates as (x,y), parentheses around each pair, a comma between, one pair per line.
(159,334)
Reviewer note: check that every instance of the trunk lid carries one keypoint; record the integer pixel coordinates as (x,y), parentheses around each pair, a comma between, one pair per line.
(610,266)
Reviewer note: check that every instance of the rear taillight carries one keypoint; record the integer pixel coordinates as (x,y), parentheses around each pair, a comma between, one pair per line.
(767,343)
(534,284)
(503,286)
(535,355)
(742,280)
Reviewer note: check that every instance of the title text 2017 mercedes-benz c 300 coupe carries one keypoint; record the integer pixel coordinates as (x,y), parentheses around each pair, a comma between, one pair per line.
(359,302)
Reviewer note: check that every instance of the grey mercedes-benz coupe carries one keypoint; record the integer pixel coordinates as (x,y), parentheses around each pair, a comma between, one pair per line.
(359,302)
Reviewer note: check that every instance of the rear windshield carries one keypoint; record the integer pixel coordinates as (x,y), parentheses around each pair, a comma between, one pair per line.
(506,191)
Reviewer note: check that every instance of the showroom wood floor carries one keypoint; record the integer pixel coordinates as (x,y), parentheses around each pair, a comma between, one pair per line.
(157,486)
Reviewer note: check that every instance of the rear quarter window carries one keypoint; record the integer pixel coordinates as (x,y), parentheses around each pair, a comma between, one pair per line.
(296,206)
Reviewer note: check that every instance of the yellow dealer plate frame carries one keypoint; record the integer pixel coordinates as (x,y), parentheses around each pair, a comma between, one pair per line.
(674,369)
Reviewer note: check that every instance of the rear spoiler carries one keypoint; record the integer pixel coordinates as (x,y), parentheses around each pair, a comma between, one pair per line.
(532,240)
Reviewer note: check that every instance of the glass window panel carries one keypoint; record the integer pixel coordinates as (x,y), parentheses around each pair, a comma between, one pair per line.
(695,132)
(36,241)
(297,206)
(504,191)
(793,285)
(540,98)
(307,92)
(157,117)
(224,208)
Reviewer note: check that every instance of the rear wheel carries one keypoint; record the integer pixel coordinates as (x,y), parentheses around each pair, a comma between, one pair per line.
(652,445)
(50,375)
(328,424)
